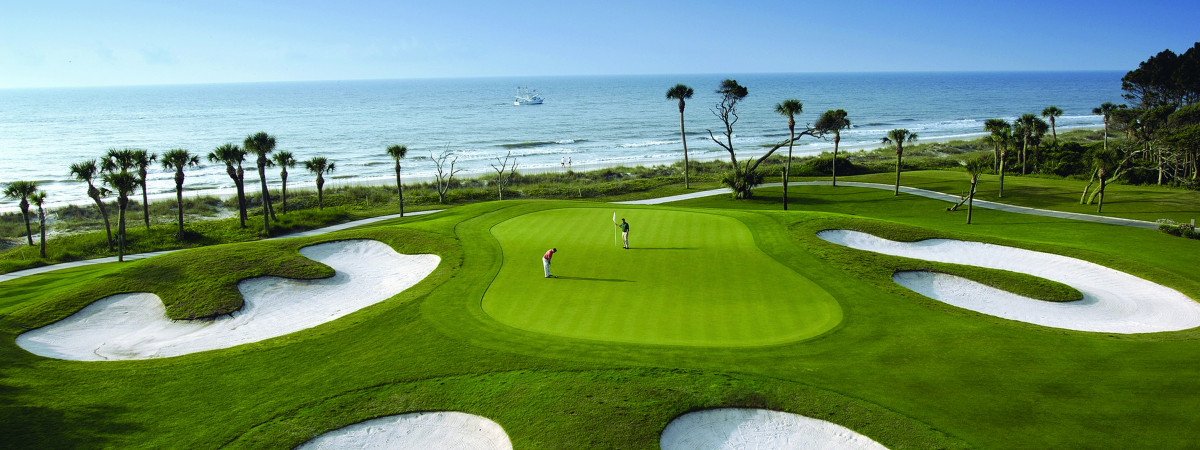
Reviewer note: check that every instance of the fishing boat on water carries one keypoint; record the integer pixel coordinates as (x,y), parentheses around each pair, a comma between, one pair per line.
(527,97)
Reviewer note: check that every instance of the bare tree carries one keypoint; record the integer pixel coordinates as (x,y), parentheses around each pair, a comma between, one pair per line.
(444,176)
(501,179)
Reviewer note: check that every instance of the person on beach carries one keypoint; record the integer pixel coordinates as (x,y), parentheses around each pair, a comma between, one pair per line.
(624,226)
(546,262)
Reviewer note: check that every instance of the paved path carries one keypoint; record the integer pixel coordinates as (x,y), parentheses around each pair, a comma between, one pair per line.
(923,193)
(87,262)
(652,201)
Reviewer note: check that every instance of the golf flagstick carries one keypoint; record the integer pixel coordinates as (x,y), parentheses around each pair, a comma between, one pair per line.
(614,228)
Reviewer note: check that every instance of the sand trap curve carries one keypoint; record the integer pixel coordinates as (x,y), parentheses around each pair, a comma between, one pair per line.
(739,428)
(135,326)
(441,430)
(1113,301)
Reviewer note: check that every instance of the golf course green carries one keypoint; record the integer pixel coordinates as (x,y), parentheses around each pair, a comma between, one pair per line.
(688,279)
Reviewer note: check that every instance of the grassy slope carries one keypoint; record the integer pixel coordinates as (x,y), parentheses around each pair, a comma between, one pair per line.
(994,382)
(679,284)
(902,369)
(1147,203)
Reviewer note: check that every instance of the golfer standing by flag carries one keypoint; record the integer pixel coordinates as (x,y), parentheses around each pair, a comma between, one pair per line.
(546,262)
(624,226)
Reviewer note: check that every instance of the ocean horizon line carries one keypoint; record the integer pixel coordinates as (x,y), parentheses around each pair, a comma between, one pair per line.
(551,77)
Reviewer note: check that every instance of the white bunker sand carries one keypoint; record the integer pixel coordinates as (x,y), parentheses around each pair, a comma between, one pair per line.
(135,326)
(740,428)
(1113,301)
(440,430)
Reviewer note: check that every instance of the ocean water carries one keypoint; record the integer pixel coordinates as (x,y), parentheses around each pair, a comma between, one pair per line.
(594,121)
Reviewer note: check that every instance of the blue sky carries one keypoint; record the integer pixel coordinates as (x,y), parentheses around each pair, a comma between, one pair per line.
(101,43)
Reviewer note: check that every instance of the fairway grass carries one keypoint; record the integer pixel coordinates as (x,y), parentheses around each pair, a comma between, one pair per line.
(688,279)
(902,369)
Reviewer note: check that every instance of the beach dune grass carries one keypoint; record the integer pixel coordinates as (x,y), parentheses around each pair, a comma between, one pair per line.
(688,279)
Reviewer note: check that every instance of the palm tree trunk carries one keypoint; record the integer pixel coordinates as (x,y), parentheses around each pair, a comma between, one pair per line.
(898,156)
(787,171)
(121,206)
(1024,146)
(837,137)
(266,196)
(145,202)
(42,227)
(971,198)
(683,136)
(399,188)
(1003,155)
(1100,206)
(320,191)
(25,216)
(179,200)
(95,195)
(283,192)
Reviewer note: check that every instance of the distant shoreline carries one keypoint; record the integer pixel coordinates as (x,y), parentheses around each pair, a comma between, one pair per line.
(252,185)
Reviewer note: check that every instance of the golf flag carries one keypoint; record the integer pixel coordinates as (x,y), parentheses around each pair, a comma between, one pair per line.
(614,229)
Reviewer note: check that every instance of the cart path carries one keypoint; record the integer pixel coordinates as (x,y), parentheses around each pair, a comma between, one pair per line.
(923,193)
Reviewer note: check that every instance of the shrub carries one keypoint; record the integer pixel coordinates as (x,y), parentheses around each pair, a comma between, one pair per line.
(742,180)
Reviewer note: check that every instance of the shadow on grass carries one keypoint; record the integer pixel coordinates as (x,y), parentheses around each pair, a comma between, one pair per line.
(610,280)
(663,248)
(24,425)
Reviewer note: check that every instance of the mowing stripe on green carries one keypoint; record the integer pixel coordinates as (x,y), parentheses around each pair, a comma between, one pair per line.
(688,279)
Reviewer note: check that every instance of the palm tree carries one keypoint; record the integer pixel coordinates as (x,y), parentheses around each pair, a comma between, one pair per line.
(232,155)
(398,152)
(789,108)
(1106,163)
(995,126)
(1107,109)
(898,137)
(1026,127)
(123,183)
(975,167)
(22,190)
(1001,139)
(86,171)
(39,198)
(178,159)
(319,165)
(262,144)
(835,122)
(682,92)
(142,159)
(284,159)
(1050,113)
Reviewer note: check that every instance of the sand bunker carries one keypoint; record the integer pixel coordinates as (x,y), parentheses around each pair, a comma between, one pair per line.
(738,428)
(135,326)
(1113,301)
(440,430)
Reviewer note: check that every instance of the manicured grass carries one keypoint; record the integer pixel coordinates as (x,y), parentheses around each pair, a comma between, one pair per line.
(687,279)
(905,370)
